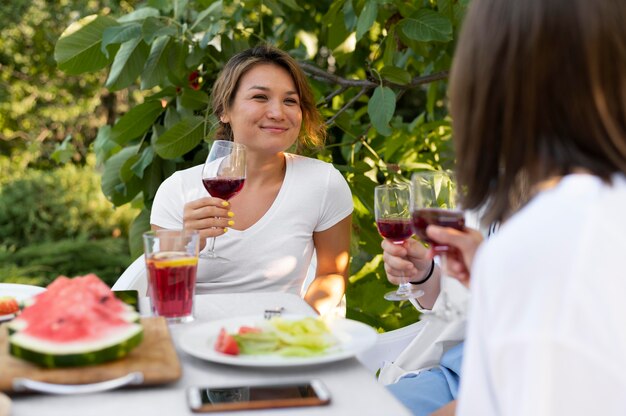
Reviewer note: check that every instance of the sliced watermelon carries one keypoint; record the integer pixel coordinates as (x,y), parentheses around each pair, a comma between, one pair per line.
(111,346)
(75,322)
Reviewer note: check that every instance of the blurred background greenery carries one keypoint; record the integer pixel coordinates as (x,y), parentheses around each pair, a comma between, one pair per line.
(54,218)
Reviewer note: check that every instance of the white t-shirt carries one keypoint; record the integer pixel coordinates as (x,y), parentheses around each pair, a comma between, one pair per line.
(274,253)
(547,324)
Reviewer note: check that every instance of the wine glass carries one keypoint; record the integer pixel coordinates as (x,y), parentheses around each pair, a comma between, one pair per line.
(393,219)
(223,176)
(434,202)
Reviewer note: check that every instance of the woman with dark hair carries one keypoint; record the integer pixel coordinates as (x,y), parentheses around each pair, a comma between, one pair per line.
(538,101)
(289,206)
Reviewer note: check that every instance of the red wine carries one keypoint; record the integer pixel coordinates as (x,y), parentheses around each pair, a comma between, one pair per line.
(172,282)
(422,218)
(224,188)
(395,229)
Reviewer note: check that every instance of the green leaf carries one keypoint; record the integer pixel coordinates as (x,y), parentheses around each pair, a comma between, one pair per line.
(78,49)
(181,138)
(145,159)
(164,5)
(349,16)
(390,47)
(171,117)
(119,34)
(63,152)
(139,14)
(337,32)
(128,64)
(112,185)
(153,27)
(193,99)
(427,25)
(291,4)
(214,11)
(396,75)
(366,18)
(155,71)
(431,98)
(103,145)
(368,268)
(126,172)
(274,7)
(380,108)
(335,7)
(136,122)
(140,225)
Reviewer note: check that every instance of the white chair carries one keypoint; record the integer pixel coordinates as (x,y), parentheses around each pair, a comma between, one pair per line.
(388,346)
(134,277)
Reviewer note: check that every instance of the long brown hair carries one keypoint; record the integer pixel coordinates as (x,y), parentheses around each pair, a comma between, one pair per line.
(538,88)
(313,131)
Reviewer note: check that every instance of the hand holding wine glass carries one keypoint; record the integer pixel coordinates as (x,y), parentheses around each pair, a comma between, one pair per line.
(391,208)
(434,203)
(223,176)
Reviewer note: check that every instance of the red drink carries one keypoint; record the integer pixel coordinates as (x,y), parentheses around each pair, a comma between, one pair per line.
(224,188)
(424,217)
(395,229)
(172,283)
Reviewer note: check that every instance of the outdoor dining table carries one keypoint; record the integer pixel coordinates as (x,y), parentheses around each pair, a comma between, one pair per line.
(353,389)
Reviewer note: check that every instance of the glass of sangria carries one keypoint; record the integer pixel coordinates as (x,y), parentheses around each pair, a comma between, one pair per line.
(223,176)
(393,219)
(434,203)
(172,262)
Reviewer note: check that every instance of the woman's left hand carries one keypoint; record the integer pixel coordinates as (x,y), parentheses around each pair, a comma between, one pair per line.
(466,242)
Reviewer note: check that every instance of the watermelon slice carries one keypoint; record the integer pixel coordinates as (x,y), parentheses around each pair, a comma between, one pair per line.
(75,322)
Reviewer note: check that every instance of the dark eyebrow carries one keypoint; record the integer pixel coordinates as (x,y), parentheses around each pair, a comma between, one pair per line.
(259,87)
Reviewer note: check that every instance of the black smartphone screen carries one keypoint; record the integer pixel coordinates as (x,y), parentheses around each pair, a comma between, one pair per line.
(256,393)
(208,399)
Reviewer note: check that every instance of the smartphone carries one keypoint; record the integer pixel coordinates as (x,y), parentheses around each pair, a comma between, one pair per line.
(258,396)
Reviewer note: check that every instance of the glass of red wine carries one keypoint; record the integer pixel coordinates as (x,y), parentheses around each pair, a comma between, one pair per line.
(223,176)
(434,203)
(393,219)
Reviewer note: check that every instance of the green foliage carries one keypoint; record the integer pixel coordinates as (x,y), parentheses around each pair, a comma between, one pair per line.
(378,69)
(39,105)
(46,206)
(40,264)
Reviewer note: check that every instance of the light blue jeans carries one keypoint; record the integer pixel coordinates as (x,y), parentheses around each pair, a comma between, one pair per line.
(427,391)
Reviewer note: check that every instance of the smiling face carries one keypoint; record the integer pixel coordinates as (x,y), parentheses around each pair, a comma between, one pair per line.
(265,113)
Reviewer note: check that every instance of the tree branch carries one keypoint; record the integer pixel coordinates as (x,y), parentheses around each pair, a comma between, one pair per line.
(347,105)
(322,75)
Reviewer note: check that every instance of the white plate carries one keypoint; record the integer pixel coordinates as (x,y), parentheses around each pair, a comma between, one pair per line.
(199,340)
(19,292)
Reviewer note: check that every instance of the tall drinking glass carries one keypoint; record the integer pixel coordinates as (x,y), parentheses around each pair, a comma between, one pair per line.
(172,261)
(393,219)
(223,176)
(434,203)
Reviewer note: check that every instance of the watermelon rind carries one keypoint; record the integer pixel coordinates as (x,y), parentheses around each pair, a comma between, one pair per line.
(115,345)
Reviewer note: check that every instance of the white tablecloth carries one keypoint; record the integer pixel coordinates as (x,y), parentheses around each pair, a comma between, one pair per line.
(353,389)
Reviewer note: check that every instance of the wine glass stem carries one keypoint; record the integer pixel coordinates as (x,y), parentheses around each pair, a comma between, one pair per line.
(404,287)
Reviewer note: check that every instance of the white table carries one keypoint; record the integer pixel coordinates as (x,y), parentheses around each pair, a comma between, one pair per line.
(353,389)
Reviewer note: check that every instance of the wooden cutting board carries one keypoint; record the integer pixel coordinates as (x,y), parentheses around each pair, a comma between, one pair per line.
(155,357)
